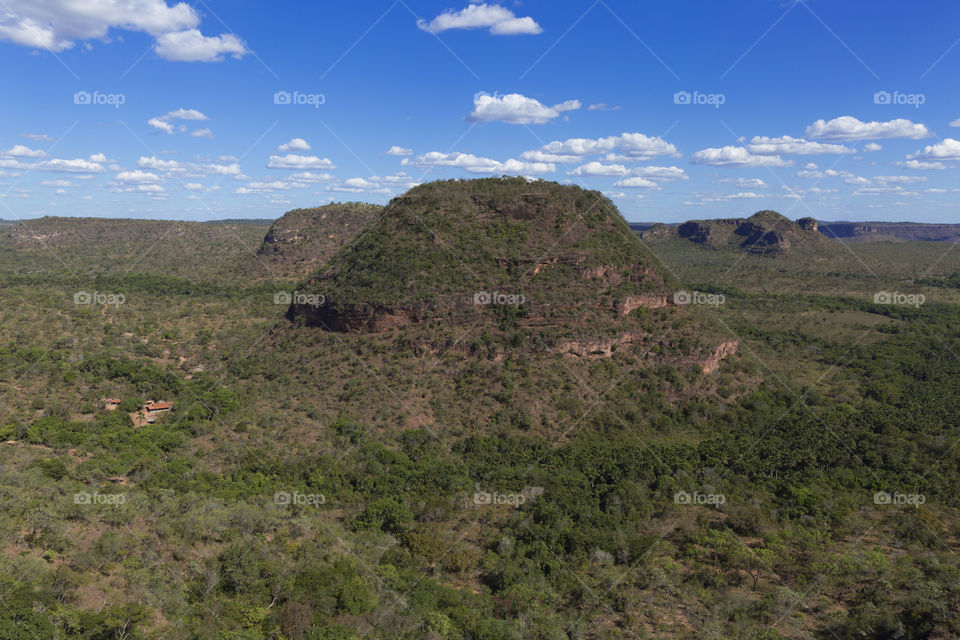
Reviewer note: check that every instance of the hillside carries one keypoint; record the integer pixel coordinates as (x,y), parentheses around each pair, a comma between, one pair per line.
(764,233)
(84,247)
(302,239)
(554,266)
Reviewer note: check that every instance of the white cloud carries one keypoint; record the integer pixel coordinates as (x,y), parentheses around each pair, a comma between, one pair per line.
(37,137)
(872,146)
(192,46)
(398,151)
(57,25)
(661,173)
(475,164)
(188,169)
(294,161)
(790,145)
(632,146)
(748,183)
(917,164)
(500,20)
(78,165)
(603,106)
(542,156)
(515,108)
(730,156)
(948,150)
(307,176)
(955,123)
(359,183)
(157,123)
(295,144)
(153,162)
(22,151)
(636,182)
(202,133)
(56,183)
(849,128)
(136,177)
(97,157)
(599,169)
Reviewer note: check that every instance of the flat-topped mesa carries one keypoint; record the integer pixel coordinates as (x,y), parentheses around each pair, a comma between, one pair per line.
(764,233)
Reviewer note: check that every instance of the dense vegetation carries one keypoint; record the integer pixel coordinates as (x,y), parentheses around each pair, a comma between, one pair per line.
(314,485)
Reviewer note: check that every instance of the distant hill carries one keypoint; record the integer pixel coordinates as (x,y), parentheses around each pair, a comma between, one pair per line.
(763,233)
(98,246)
(846,231)
(302,239)
(891,231)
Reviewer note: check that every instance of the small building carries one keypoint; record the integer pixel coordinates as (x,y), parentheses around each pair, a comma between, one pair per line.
(152,407)
(110,403)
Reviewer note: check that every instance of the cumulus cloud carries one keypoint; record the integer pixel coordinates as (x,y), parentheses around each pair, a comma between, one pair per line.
(398,151)
(955,123)
(295,144)
(872,146)
(295,161)
(793,146)
(97,157)
(164,123)
(543,156)
(136,177)
(947,150)
(57,25)
(193,46)
(515,108)
(731,156)
(188,169)
(202,133)
(636,182)
(476,164)
(849,128)
(599,169)
(22,151)
(499,20)
(630,146)
(923,166)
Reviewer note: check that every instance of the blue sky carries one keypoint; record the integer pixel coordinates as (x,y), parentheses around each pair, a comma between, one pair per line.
(151,109)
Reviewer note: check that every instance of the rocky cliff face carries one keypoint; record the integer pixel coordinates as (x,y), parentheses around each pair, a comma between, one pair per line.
(764,233)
